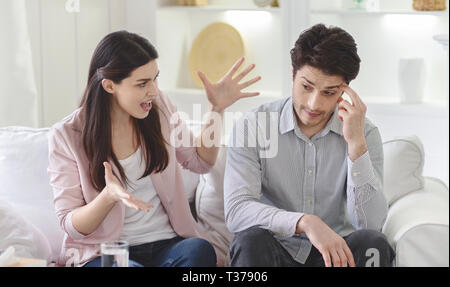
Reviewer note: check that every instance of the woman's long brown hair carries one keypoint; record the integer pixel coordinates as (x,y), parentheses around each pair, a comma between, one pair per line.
(115,58)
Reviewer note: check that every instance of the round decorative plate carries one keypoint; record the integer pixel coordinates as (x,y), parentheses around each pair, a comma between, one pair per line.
(214,51)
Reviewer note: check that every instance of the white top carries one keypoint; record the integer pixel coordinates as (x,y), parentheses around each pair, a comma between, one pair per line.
(140,226)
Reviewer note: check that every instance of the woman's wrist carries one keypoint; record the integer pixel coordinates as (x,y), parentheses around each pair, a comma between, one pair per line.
(107,196)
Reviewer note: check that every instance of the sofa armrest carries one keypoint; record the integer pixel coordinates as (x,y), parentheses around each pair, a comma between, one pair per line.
(417,226)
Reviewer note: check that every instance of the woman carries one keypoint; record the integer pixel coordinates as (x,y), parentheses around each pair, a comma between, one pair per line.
(113,161)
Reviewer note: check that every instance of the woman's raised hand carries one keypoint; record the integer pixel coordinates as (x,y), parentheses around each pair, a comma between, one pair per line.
(228,90)
(118,193)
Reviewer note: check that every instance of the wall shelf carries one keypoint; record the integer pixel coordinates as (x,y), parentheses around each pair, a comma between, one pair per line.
(376,13)
(212,8)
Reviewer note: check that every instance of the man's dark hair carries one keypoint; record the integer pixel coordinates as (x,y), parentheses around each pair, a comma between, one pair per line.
(332,50)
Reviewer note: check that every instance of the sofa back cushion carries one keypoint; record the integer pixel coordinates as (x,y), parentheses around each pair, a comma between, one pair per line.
(209,204)
(403,167)
(24,182)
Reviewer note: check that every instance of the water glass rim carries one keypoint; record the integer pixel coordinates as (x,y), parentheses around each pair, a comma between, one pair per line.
(115,243)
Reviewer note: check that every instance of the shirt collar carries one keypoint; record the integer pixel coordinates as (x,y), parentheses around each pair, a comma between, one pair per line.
(288,122)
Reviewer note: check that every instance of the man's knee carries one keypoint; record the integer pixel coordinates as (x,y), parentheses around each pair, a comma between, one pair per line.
(372,248)
(250,246)
(253,238)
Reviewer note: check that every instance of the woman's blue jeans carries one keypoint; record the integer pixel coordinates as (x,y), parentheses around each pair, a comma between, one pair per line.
(175,252)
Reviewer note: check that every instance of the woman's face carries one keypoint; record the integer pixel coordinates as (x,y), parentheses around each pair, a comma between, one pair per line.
(134,95)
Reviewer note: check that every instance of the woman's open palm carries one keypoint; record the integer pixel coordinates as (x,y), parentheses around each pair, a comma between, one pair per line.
(118,193)
(228,90)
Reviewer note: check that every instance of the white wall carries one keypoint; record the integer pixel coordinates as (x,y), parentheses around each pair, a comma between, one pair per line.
(62,45)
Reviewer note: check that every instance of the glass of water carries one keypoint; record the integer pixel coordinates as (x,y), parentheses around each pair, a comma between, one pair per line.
(115,254)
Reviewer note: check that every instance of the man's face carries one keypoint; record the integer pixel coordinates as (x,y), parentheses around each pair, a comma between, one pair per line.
(315,96)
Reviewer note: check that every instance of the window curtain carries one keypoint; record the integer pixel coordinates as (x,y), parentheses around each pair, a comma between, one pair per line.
(18,92)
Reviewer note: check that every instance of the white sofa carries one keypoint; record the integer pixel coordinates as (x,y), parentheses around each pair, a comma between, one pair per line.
(417,224)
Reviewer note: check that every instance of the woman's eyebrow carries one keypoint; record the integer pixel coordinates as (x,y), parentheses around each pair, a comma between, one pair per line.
(146,80)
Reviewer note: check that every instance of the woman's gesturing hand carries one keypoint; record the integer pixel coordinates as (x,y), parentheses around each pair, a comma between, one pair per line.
(228,90)
(117,193)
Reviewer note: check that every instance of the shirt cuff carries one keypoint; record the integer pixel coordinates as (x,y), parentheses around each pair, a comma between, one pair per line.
(360,172)
(284,223)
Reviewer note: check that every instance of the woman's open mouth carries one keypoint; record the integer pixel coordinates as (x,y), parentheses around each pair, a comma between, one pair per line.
(146,106)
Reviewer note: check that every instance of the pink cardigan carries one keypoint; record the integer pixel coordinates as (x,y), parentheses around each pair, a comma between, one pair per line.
(69,177)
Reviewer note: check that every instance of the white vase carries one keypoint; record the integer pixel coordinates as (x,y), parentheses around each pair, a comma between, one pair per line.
(411,77)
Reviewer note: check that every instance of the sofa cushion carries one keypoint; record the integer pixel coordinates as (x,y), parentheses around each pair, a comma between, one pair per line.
(209,204)
(417,226)
(24,181)
(403,167)
(18,232)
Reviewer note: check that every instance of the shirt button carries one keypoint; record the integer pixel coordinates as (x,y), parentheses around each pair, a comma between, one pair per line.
(310,171)
(310,144)
(355,173)
(308,202)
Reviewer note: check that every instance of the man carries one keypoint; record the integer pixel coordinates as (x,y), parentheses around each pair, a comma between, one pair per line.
(319,201)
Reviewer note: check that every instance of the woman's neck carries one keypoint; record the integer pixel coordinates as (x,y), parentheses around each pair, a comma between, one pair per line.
(121,121)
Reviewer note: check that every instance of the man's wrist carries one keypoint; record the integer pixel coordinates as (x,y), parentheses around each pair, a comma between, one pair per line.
(357,149)
(302,224)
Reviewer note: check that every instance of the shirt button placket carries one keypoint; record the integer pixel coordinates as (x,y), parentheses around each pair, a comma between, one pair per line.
(310,168)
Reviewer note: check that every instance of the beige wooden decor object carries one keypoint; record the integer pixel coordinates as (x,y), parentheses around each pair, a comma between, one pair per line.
(429,5)
(193,2)
(214,51)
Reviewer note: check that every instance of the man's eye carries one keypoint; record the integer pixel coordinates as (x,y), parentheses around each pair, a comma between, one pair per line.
(306,87)
(329,93)
(142,85)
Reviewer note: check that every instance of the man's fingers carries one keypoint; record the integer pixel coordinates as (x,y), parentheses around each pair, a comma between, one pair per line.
(342,114)
(346,105)
(349,254)
(335,258)
(326,258)
(343,257)
(357,102)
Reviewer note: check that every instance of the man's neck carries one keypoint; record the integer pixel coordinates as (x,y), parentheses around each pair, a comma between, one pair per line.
(309,132)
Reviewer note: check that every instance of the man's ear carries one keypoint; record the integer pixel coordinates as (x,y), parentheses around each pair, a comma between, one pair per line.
(108,86)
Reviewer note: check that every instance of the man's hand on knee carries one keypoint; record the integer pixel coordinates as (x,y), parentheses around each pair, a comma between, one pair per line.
(334,249)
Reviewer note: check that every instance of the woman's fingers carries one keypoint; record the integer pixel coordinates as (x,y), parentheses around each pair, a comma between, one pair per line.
(244,73)
(249,83)
(204,79)
(235,67)
(136,201)
(248,95)
(139,205)
(108,171)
